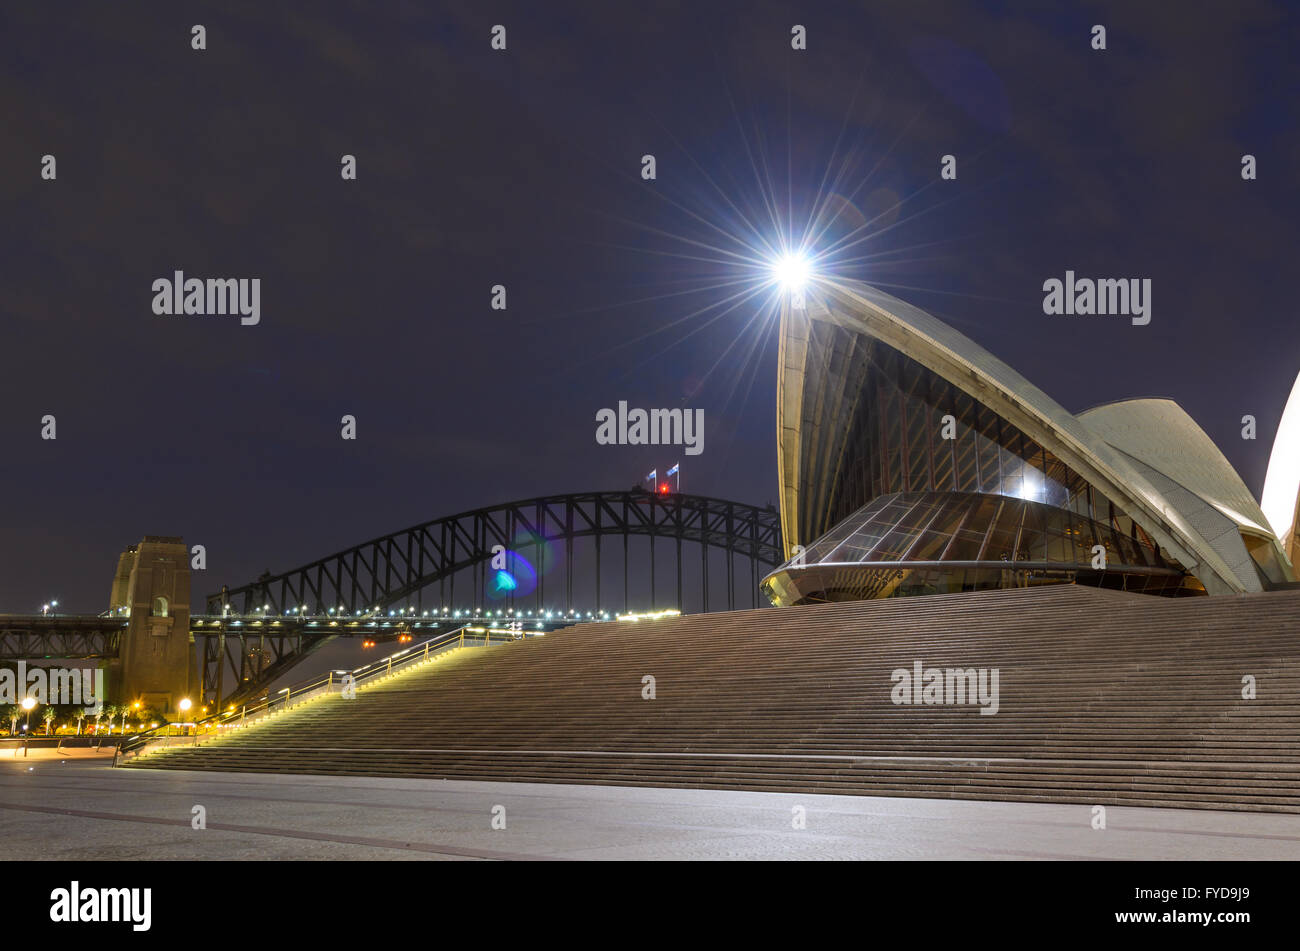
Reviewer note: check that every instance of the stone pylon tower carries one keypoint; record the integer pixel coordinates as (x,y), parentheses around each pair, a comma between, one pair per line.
(155,659)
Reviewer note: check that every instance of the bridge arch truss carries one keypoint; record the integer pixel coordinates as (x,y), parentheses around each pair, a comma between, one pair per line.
(401,568)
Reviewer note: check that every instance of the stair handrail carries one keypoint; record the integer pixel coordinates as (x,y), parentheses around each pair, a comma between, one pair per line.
(306,690)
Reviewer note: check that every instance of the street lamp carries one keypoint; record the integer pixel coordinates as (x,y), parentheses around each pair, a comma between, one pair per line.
(28,704)
(185,705)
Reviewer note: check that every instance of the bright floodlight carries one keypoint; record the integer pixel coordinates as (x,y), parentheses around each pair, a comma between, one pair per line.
(792,272)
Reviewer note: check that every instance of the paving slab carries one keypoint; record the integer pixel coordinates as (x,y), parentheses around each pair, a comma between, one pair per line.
(77,809)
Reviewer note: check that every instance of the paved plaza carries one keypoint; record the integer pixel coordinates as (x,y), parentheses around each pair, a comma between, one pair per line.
(82,809)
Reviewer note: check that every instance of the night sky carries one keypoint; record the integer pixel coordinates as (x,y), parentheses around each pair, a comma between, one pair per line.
(522,167)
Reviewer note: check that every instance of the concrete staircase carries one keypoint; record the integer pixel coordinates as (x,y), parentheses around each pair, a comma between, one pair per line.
(1105,698)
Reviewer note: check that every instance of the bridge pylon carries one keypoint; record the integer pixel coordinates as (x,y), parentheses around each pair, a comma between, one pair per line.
(156,660)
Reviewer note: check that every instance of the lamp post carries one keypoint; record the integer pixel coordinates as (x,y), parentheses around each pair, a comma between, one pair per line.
(185,705)
(28,704)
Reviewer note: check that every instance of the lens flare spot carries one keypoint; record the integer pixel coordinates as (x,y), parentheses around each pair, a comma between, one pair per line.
(518,578)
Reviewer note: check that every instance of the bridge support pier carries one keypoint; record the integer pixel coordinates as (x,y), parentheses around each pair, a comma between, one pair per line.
(156,659)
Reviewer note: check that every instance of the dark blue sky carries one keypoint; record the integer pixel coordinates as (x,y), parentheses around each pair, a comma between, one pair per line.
(521,168)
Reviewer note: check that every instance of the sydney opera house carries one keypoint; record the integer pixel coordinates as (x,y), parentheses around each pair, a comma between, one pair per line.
(912,461)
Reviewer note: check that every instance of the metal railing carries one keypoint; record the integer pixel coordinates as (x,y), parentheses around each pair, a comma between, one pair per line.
(220,724)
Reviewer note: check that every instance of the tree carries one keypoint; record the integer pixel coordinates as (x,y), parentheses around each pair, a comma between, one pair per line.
(97,713)
(112,710)
(82,713)
(48,716)
(12,712)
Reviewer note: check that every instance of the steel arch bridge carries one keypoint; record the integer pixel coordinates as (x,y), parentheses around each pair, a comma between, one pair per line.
(257,631)
(398,568)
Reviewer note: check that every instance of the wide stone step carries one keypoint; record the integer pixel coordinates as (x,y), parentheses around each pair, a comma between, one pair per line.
(1104,697)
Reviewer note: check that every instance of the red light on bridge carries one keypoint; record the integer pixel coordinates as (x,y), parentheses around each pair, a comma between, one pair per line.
(663,489)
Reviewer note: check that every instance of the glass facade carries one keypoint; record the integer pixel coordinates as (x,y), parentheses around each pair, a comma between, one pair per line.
(934,542)
(933,491)
(899,442)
